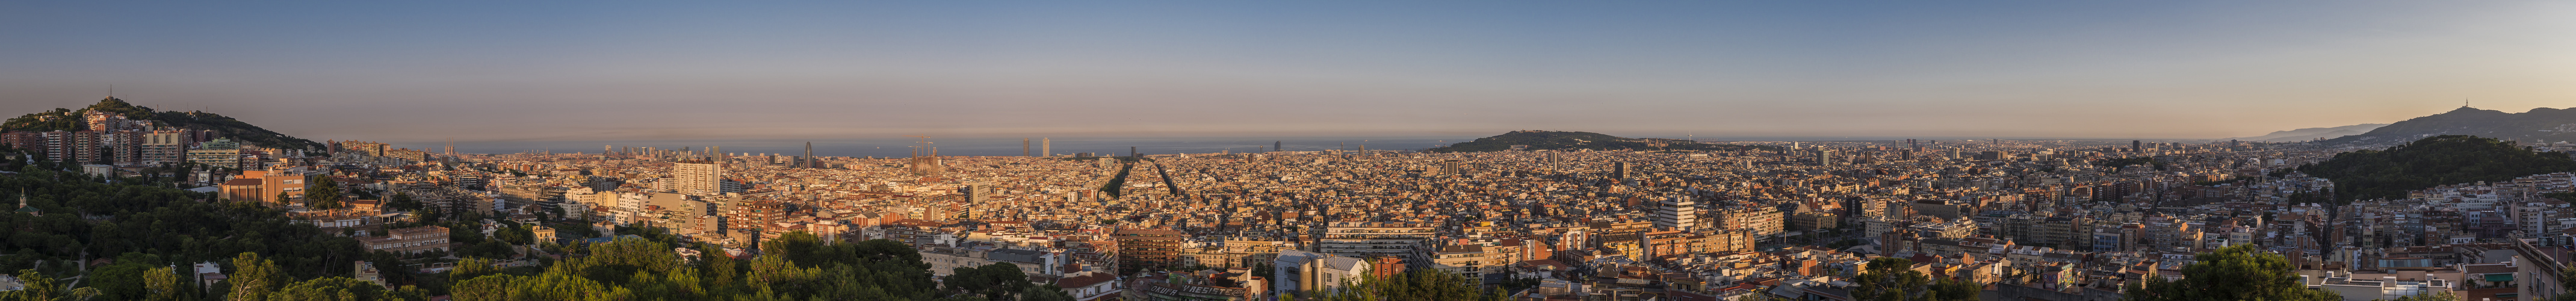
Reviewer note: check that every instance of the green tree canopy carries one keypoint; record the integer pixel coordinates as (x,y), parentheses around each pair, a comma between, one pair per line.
(796,266)
(254,278)
(331,289)
(45,288)
(995,282)
(2432,161)
(2233,273)
(402,201)
(323,193)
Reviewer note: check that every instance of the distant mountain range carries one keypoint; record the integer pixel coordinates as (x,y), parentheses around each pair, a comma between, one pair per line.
(71,120)
(2538,125)
(1554,140)
(2307,134)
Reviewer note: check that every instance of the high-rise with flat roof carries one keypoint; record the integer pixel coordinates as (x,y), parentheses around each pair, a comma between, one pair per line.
(164,147)
(1677,213)
(700,178)
(79,146)
(123,147)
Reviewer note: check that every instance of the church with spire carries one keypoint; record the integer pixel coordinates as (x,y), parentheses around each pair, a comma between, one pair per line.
(29,210)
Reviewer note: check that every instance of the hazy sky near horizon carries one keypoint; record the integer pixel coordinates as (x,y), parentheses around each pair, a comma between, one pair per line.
(649,70)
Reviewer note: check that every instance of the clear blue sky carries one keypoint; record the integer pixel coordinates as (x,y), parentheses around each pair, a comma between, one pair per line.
(638,70)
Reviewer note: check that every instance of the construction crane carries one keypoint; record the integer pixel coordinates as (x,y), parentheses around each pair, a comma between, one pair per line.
(925,145)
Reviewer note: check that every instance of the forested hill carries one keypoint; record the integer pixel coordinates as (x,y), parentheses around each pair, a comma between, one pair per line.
(70,120)
(1553,140)
(2432,161)
(2540,124)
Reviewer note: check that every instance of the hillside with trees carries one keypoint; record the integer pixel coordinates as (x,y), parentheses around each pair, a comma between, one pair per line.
(1553,140)
(70,120)
(132,239)
(133,230)
(2432,161)
(797,266)
(2539,124)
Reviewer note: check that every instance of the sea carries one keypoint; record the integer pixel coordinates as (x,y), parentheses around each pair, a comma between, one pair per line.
(966,146)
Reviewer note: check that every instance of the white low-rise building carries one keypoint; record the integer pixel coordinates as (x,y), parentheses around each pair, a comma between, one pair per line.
(2382,288)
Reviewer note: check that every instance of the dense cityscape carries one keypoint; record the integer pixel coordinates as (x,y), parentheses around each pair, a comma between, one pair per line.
(1974,150)
(1563,218)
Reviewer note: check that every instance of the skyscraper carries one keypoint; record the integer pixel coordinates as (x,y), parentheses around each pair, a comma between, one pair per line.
(1024,147)
(1274,146)
(1046,146)
(809,156)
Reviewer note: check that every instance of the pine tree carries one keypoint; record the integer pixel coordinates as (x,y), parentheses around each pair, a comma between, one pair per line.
(324,194)
(162,284)
(254,278)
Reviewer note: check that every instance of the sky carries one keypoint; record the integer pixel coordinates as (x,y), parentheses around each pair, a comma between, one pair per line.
(416,71)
